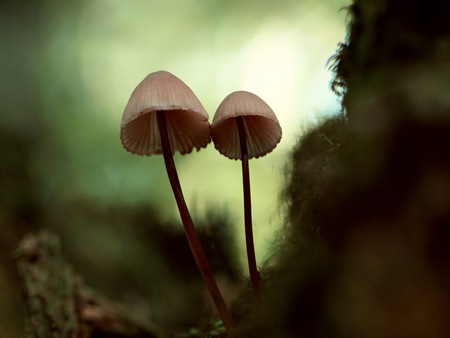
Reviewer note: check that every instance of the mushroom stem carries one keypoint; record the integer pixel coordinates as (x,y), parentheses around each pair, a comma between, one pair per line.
(191,234)
(254,275)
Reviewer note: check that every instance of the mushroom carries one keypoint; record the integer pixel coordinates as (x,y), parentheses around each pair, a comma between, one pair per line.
(163,115)
(245,127)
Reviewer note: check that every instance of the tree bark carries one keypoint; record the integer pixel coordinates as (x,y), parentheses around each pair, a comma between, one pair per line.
(57,303)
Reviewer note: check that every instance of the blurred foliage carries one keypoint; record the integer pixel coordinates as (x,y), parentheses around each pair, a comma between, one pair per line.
(135,257)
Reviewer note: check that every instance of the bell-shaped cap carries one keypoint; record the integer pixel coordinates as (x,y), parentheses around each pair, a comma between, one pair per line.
(187,120)
(262,129)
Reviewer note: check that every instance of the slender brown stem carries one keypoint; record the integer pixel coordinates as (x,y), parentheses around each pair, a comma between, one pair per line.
(191,234)
(254,275)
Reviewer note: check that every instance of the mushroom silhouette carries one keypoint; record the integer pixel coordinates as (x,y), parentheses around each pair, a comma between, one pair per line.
(163,115)
(245,127)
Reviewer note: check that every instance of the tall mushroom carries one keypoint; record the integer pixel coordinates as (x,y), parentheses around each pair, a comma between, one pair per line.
(245,127)
(163,115)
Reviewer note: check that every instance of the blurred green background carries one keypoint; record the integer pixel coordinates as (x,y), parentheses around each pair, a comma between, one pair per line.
(67,70)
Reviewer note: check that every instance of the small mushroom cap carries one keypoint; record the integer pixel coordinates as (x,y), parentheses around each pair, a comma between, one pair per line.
(187,120)
(262,129)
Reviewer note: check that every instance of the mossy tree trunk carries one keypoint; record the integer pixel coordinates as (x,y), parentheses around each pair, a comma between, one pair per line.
(57,303)
(367,252)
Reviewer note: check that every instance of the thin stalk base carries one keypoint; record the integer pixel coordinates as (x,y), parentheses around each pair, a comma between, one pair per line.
(191,234)
(254,275)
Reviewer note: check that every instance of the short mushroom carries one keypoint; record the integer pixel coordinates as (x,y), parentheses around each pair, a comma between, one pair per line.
(245,127)
(163,115)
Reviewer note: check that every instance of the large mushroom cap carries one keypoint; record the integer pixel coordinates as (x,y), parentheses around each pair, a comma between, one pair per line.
(187,120)
(262,129)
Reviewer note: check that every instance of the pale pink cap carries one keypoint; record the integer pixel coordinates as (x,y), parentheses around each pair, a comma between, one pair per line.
(187,120)
(262,129)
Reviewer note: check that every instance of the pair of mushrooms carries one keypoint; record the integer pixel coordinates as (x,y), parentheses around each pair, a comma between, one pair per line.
(163,115)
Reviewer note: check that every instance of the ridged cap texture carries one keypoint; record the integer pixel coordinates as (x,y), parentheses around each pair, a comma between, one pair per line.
(262,129)
(187,119)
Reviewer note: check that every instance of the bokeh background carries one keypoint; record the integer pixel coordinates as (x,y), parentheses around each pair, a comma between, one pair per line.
(67,71)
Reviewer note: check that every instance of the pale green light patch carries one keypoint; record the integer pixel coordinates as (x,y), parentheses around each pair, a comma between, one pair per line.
(215,50)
